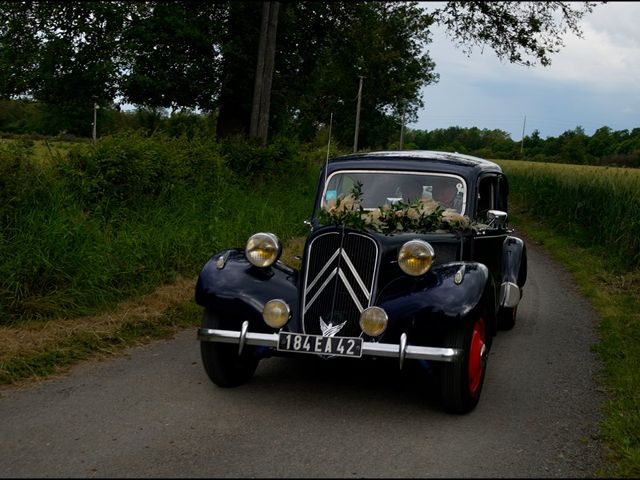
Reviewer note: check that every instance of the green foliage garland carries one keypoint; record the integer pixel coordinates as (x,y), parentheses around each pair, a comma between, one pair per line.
(418,216)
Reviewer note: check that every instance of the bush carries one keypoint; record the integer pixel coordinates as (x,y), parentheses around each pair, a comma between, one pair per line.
(130,169)
(18,179)
(119,218)
(248,159)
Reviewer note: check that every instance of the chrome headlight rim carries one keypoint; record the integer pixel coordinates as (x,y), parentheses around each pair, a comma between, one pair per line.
(270,308)
(261,239)
(424,249)
(370,328)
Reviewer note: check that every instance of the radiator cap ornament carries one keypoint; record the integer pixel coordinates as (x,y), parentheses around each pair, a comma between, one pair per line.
(330,330)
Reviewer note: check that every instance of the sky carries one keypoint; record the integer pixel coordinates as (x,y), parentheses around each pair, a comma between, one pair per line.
(592,82)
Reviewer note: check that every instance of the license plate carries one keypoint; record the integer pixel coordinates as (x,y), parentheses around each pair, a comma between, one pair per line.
(302,343)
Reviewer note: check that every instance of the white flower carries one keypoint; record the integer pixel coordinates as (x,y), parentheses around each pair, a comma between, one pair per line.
(451,215)
(372,217)
(428,205)
(347,203)
(413,213)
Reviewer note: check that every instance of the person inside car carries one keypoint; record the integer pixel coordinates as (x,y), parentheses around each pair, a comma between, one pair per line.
(446,194)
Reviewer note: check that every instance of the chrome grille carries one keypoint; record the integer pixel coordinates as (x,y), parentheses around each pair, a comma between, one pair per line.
(339,281)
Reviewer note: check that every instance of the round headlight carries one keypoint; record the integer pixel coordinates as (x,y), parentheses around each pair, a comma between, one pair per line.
(263,249)
(276,313)
(416,257)
(373,321)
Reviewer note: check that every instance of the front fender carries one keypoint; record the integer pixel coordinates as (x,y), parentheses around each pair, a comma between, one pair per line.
(514,271)
(436,301)
(229,285)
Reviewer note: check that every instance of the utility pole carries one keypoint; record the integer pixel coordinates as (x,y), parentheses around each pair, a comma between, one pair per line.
(402,127)
(522,142)
(355,136)
(95,118)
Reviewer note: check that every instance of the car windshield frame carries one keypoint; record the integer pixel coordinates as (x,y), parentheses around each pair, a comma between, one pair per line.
(384,174)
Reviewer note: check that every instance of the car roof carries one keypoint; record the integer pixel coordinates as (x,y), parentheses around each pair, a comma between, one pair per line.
(414,160)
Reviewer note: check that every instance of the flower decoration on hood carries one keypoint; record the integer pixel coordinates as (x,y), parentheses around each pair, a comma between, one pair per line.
(419,216)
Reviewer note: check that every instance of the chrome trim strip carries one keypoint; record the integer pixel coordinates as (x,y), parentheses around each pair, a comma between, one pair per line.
(356,275)
(350,290)
(368,348)
(490,237)
(321,272)
(320,289)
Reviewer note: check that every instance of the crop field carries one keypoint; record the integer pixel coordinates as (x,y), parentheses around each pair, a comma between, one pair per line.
(598,206)
(42,152)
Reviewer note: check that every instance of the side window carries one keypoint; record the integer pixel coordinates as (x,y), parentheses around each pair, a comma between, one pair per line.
(487,192)
(503,193)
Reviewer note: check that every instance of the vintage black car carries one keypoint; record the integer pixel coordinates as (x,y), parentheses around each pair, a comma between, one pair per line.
(410,256)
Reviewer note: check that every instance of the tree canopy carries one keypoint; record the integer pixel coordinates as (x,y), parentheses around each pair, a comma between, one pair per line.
(201,55)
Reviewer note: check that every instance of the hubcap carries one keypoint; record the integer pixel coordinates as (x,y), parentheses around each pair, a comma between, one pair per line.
(477,354)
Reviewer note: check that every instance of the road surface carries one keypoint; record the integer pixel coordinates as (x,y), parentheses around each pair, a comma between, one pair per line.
(154,413)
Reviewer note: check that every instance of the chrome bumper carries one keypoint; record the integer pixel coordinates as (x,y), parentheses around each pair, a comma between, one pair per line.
(401,351)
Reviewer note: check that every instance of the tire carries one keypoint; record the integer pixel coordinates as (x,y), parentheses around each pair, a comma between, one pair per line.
(461,381)
(507,317)
(221,361)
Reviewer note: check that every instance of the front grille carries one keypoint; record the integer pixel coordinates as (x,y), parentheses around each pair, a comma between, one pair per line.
(339,282)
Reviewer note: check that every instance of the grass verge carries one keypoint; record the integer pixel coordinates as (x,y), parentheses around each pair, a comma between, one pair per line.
(40,349)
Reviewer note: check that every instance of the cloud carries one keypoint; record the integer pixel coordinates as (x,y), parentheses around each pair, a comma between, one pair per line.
(607,57)
(592,82)
(619,20)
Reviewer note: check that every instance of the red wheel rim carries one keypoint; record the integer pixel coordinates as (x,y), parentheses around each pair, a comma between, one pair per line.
(476,364)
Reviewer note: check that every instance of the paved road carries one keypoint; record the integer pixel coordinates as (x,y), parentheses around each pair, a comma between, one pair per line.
(154,413)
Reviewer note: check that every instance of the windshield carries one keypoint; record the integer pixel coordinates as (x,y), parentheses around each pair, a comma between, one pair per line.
(385,187)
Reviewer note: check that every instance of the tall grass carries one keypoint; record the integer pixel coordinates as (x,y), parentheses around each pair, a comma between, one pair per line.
(117,220)
(598,206)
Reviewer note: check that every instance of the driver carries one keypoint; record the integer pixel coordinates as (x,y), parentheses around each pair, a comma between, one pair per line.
(447,195)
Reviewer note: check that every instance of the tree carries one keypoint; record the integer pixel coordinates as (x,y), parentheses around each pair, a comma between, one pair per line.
(63,54)
(601,143)
(173,56)
(18,50)
(264,72)
(514,30)
(203,55)
(239,50)
(323,49)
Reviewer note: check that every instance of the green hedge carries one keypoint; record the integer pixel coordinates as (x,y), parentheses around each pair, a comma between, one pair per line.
(118,219)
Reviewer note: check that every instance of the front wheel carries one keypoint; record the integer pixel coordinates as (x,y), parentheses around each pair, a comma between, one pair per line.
(221,361)
(461,381)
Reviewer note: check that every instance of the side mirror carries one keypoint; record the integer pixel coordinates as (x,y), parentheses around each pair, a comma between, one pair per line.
(496,218)
(308,224)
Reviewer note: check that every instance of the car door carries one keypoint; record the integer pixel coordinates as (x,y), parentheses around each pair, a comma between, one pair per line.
(487,246)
